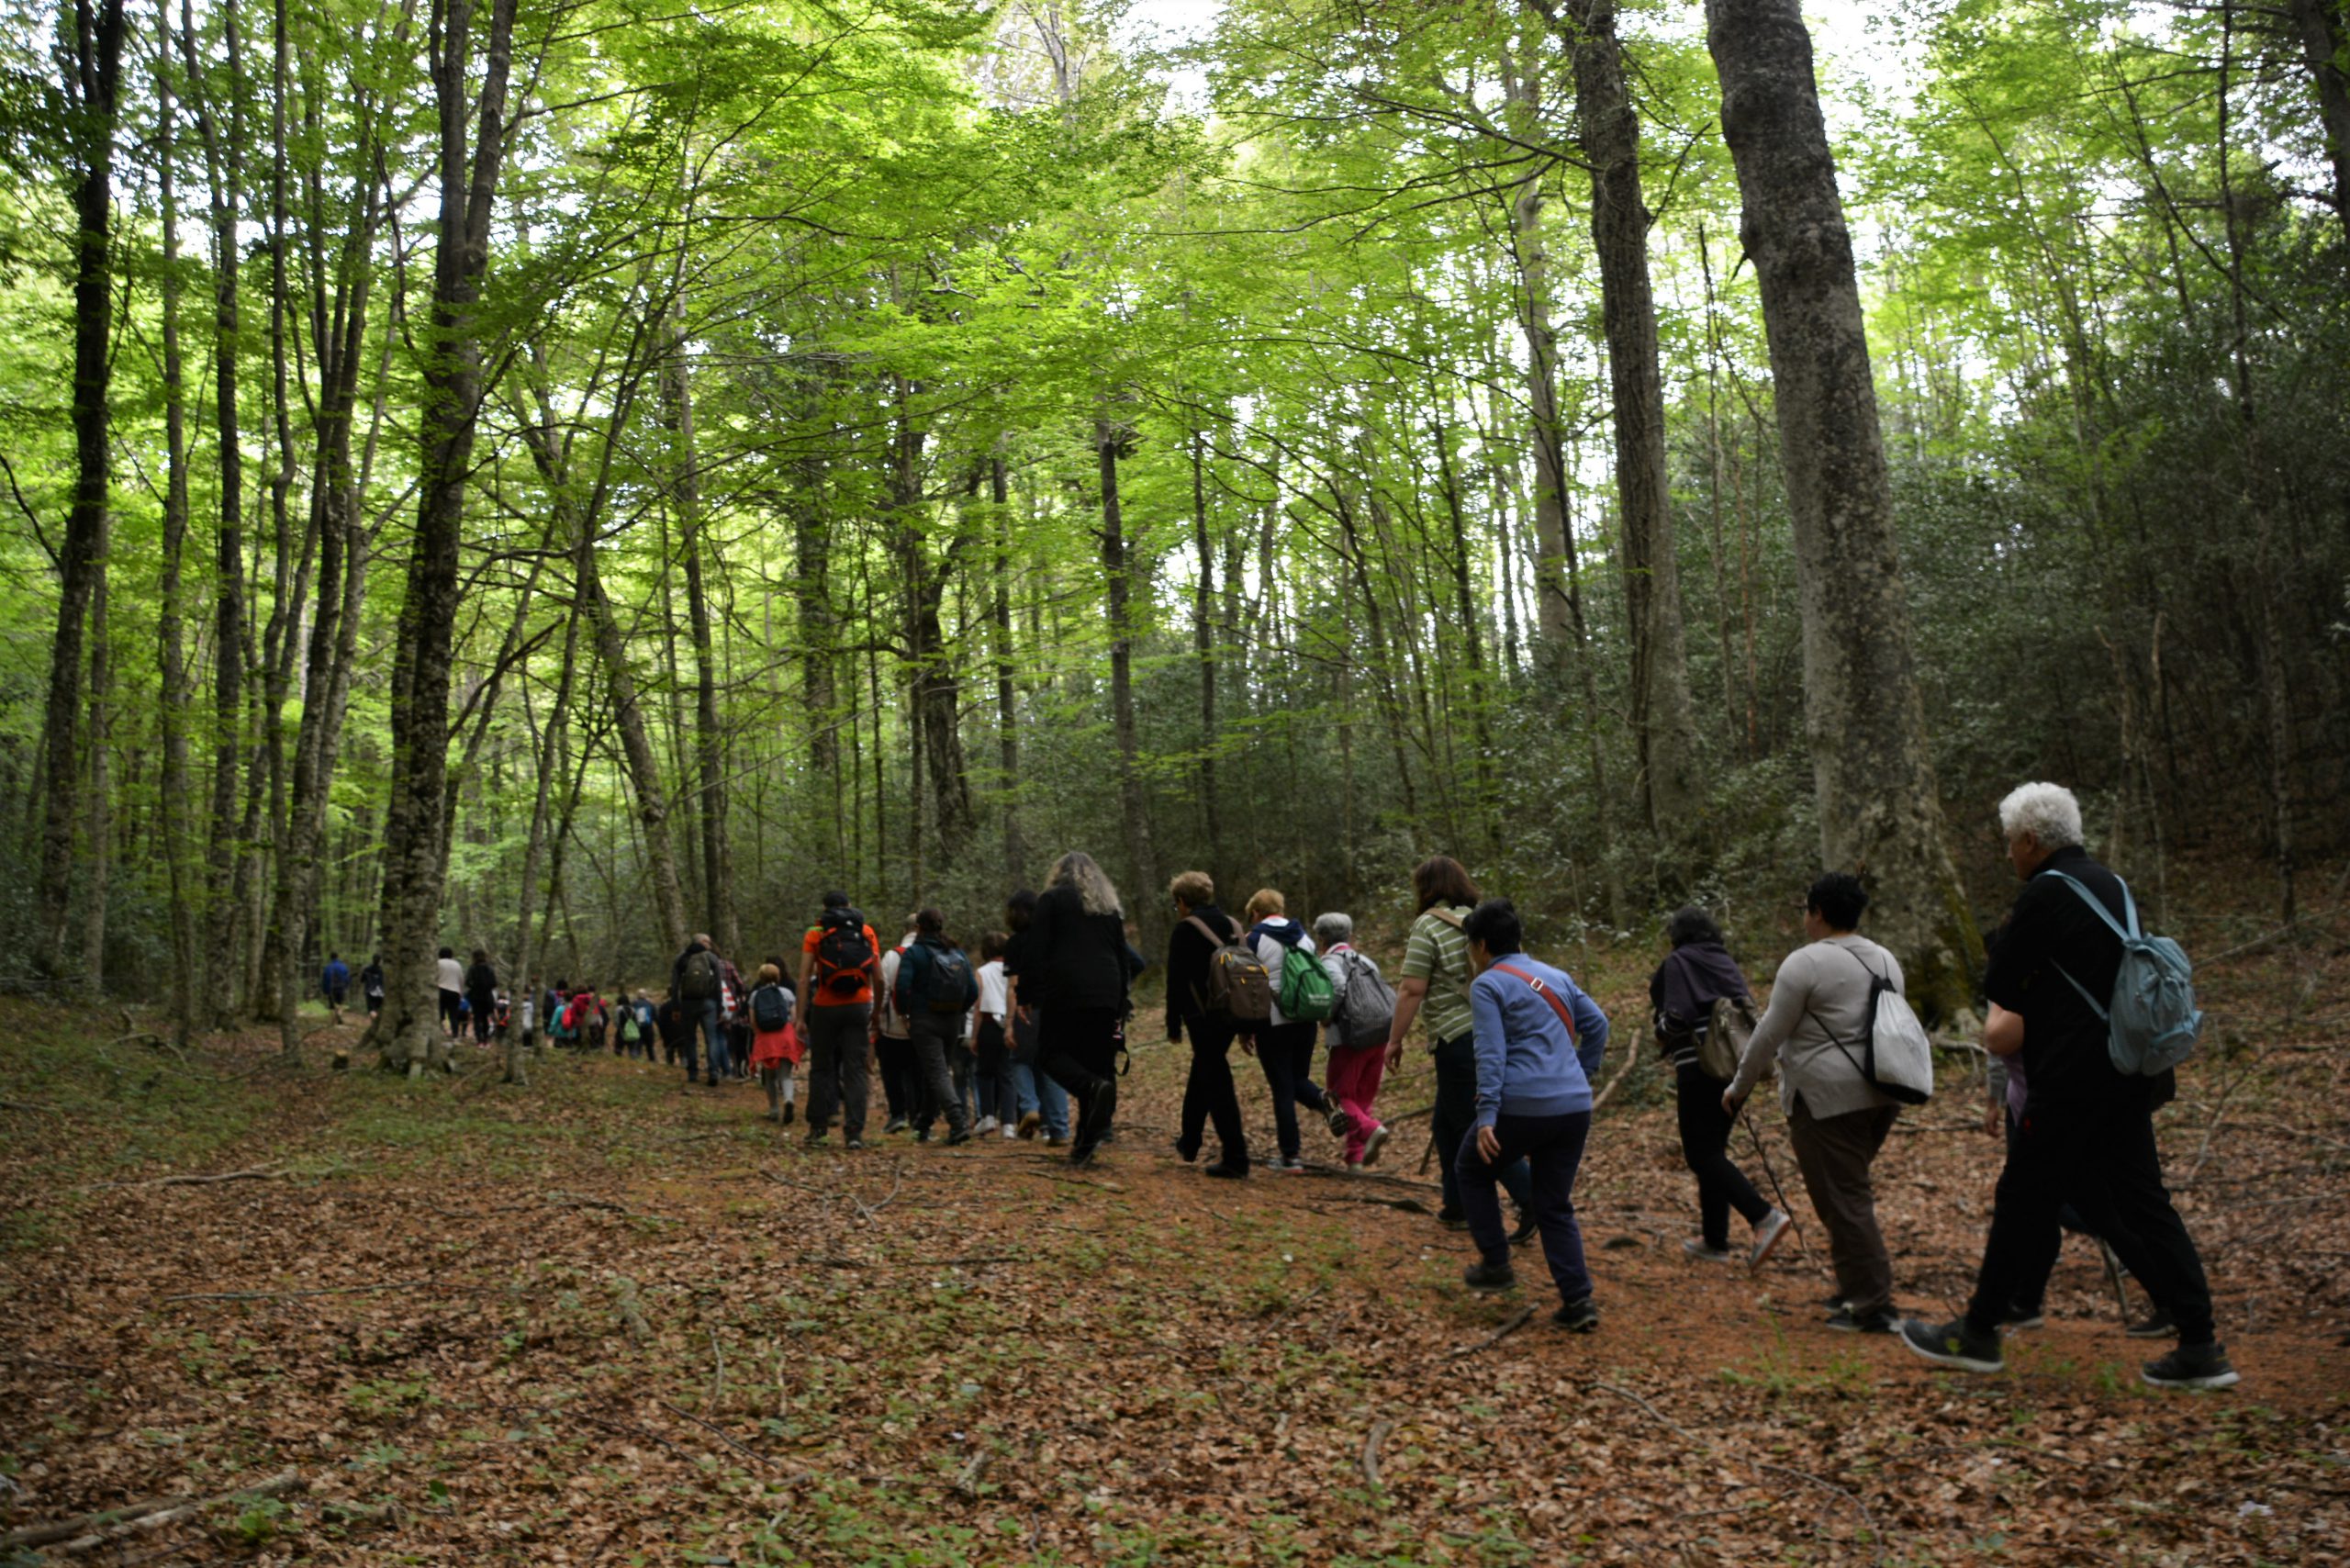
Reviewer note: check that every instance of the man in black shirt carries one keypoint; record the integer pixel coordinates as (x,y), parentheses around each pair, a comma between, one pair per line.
(2087,1133)
(1208,1093)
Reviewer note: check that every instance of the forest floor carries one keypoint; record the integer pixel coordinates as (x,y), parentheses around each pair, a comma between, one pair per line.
(611,1319)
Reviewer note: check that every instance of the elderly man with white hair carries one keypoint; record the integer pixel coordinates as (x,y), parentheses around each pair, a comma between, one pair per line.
(2088,1131)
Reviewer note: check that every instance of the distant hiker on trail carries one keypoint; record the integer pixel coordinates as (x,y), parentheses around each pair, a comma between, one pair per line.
(451,976)
(1044,1104)
(648,1024)
(893,1045)
(935,990)
(1837,1120)
(698,979)
(1080,977)
(1205,999)
(529,1009)
(990,1043)
(481,995)
(370,984)
(1539,1043)
(335,982)
(2063,1000)
(1362,1012)
(1435,976)
(1695,976)
(677,1027)
(837,959)
(774,1043)
(737,1005)
(1285,1042)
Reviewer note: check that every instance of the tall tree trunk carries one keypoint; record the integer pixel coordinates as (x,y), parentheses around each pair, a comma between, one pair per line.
(93,87)
(1481,695)
(1133,806)
(408,1030)
(2324,29)
(1203,645)
(1879,812)
(1664,722)
(170,621)
(98,854)
(1007,704)
(710,741)
(549,764)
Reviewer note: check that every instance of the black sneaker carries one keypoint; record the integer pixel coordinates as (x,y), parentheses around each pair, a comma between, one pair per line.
(1078,1158)
(1884,1320)
(815,1139)
(2192,1366)
(1104,1108)
(1953,1344)
(1186,1155)
(1483,1276)
(894,1125)
(959,1134)
(854,1144)
(1452,1219)
(1529,1228)
(2155,1324)
(1223,1171)
(1577,1317)
(790,1109)
(1337,1121)
(2023,1317)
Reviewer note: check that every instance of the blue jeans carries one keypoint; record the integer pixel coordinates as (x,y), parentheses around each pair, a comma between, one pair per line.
(1552,1146)
(1037,1091)
(713,1030)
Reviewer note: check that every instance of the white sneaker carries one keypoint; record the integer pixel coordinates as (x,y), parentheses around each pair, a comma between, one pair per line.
(1011,1132)
(1768,1230)
(988,1125)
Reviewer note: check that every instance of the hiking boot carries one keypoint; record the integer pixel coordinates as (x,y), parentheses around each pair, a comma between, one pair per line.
(1373,1144)
(1185,1155)
(791,1110)
(2192,1366)
(1078,1158)
(1698,1247)
(1056,1143)
(854,1144)
(2017,1317)
(1452,1219)
(1884,1320)
(815,1139)
(1579,1317)
(1953,1344)
(958,1135)
(895,1125)
(2155,1324)
(1337,1121)
(1768,1232)
(1288,1165)
(1030,1122)
(1483,1276)
(1224,1172)
(921,1134)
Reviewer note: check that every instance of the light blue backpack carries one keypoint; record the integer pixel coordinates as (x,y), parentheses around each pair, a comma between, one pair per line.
(2151,1021)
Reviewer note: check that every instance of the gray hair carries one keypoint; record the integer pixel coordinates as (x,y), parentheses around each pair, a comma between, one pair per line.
(2047,812)
(1331,929)
(1096,895)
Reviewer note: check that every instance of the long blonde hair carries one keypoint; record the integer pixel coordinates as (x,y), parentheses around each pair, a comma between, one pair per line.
(1096,895)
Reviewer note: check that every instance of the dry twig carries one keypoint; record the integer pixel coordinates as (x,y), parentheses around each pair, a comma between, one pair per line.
(1379,1430)
(1524,1315)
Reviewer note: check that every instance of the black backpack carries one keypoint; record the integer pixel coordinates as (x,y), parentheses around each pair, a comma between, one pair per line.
(703,977)
(842,954)
(770,1008)
(947,984)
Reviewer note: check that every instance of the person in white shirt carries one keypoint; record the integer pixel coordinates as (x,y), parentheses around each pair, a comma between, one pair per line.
(1285,1046)
(452,989)
(990,1041)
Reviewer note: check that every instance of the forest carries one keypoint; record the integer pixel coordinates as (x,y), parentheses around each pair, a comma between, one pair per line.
(556,477)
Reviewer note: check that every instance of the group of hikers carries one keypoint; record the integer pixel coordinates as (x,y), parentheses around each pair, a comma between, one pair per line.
(1009,1045)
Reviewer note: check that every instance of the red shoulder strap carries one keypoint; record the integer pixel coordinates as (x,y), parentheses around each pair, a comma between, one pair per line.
(1558,1003)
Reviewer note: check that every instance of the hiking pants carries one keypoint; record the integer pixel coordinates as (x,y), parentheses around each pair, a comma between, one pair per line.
(1208,1093)
(837,1044)
(713,1031)
(1079,1046)
(1705,1143)
(2103,1159)
(1353,1082)
(893,1057)
(1551,1148)
(997,1097)
(1456,1110)
(936,1042)
(1285,1051)
(1834,1154)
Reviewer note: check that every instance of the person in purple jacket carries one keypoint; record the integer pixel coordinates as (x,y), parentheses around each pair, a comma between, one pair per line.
(1538,1042)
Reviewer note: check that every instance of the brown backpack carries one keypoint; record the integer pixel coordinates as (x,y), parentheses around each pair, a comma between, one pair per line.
(1239,987)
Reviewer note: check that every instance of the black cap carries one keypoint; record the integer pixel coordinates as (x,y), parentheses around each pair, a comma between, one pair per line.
(836,900)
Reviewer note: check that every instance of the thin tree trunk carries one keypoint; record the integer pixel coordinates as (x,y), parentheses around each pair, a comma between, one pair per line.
(170,621)
(1007,705)
(1133,806)
(1879,811)
(710,741)
(1204,643)
(1664,722)
(99,852)
(2324,29)
(93,88)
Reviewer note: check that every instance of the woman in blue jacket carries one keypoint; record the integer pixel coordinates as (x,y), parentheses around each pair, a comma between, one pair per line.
(1538,1041)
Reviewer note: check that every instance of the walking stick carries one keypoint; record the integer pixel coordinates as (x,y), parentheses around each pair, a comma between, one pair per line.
(1771,1175)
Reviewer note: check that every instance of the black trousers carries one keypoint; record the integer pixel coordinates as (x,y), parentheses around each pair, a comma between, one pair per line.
(1286,1053)
(2103,1159)
(1079,1046)
(1456,1110)
(900,1086)
(1705,1143)
(1209,1095)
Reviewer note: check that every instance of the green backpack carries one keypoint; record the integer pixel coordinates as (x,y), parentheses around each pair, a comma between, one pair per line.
(1306,995)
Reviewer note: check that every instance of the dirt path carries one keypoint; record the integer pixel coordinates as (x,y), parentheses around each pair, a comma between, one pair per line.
(611,1319)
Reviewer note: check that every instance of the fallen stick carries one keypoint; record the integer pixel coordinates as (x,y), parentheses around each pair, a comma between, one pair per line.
(1524,1315)
(290,1481)
(258,1173)
(1631,1060)
(330,1290)
(1379,1430)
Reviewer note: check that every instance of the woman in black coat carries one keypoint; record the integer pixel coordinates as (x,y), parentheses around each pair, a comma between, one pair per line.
(1078,970)
(1698,972)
